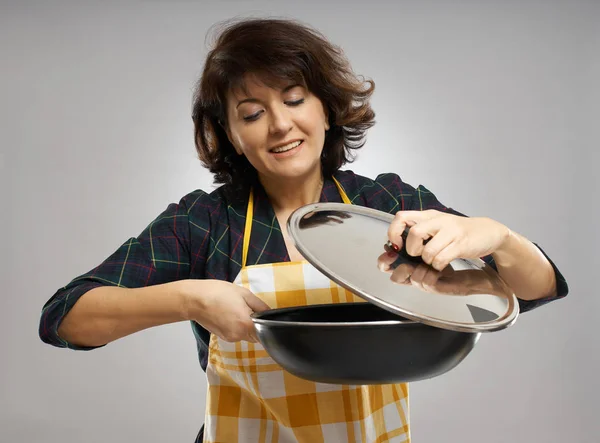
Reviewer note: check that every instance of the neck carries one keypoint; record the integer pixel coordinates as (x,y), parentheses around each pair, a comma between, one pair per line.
(290,194)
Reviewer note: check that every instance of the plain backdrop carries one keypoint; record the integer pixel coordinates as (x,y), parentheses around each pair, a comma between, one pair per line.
(492,105)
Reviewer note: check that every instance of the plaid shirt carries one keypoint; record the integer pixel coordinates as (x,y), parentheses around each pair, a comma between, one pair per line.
(201,238)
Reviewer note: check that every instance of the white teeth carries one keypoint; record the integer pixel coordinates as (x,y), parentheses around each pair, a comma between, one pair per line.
(287,147)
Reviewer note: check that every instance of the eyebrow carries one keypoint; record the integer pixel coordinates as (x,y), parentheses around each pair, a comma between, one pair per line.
(255,100)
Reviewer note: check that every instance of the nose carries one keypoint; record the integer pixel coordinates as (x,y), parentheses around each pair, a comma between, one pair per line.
(281,120)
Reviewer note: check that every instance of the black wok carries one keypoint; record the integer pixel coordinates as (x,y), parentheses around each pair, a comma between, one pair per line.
(406,331)
(358,343)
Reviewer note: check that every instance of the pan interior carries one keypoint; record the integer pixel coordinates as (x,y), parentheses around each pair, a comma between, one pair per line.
(333,313)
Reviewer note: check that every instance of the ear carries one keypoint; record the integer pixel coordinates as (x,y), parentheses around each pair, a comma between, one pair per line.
(225,127)
(326,112)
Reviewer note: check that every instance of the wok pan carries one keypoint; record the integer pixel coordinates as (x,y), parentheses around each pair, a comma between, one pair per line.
(405,331)
(358,344)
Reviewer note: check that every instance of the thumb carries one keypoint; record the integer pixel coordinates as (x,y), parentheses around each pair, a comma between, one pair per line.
(255,303)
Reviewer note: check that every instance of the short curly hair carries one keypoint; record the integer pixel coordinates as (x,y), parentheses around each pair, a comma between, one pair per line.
(276,51)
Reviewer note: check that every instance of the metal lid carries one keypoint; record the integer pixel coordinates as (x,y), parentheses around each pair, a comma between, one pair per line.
(348,244)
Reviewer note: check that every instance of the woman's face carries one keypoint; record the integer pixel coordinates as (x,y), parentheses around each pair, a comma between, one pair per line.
(281,131)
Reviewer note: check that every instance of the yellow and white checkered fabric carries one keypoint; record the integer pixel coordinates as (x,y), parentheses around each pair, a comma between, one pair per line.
(251,398)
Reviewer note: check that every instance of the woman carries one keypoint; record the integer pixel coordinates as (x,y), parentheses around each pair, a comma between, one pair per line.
(277,113)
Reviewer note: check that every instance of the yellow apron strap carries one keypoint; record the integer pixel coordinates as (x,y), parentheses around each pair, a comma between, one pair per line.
(345,198)
(247,228)
(250,212)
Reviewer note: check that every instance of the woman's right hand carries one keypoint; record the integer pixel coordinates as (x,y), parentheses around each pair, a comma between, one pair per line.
(223,308)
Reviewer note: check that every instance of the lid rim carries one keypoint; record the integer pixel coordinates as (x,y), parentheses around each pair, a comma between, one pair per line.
(293,223)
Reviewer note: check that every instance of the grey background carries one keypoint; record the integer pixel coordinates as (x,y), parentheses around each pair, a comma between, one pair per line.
(494,106)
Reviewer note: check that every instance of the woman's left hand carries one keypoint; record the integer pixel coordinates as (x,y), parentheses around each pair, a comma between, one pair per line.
(450,236)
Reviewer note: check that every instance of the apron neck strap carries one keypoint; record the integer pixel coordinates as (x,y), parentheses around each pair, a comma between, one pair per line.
(250,212)
(345,198)
(247,228)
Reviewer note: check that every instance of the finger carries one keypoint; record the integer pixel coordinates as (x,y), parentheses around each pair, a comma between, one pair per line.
(385,260)
(404,219)
(435,245)
(445,256)
(421,232)
(402,273)
(396,230)
(430,278)
(452,288)
(255,303)
(418,275)
(251,332)
(418,216)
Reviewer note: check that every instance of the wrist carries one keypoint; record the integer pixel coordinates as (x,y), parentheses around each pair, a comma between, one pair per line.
(506,252)
(182,294)
(190,295)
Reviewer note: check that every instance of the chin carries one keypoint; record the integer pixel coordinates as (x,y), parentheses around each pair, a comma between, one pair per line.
(299,173)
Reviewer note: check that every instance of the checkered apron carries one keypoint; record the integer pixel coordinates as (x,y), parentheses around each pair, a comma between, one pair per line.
(250,398)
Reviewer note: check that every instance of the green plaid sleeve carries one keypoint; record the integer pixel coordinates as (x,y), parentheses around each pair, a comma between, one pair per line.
(160,254)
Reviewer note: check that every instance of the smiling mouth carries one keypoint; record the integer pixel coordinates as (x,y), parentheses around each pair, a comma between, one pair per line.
(287,147)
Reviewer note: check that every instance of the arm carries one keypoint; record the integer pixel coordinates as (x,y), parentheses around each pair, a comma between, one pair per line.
(131,290)
(107,313)
(147,283)
(526,268)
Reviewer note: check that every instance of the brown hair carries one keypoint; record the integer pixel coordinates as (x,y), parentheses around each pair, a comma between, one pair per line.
(278,50)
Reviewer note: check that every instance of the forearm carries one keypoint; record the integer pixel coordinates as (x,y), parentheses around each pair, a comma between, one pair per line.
(107,313)
(523,266)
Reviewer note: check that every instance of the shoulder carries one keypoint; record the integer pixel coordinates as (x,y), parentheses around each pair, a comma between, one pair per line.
(388,192)
(200,203)
(385,192)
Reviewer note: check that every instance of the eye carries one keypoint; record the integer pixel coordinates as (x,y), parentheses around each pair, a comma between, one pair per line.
(252,117)
(295,102)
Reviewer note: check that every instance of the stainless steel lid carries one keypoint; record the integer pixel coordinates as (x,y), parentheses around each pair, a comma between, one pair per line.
(347,243)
